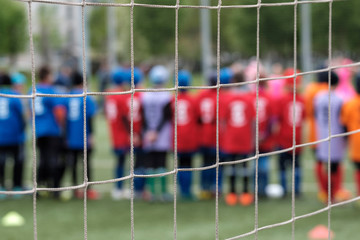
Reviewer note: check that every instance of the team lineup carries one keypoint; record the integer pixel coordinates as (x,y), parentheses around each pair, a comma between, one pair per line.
(279,110)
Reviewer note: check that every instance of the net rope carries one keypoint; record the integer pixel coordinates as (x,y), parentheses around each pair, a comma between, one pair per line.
(86,184)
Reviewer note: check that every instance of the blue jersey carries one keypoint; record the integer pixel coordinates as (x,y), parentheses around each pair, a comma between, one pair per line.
(45,121)
(75,119)
(12,125)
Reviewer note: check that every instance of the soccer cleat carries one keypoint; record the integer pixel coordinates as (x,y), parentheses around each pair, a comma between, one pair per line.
(342,195)
(126,193)
(322,197)
(92,194)
(79,193)
(231,199)
(117,194)
(246,199)
(205,195)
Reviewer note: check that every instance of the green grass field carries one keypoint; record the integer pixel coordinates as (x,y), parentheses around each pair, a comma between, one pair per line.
(108,219)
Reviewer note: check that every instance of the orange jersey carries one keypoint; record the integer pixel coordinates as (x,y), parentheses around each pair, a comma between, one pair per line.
(350,117)
(310,93)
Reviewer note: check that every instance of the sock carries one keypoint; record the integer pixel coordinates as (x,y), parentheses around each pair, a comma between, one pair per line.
(340,179)
(357,181)
(335,182)
(139,182)
(162,180)
(283,180)
(151,181)
(220,180)
(204,177)
(119,172)
(297,180)
(262,182)
(321,177)
(185,179)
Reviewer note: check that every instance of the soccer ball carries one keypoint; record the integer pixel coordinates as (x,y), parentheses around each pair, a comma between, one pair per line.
(274,191)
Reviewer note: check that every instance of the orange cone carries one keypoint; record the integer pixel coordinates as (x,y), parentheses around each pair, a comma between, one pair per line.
(320,232)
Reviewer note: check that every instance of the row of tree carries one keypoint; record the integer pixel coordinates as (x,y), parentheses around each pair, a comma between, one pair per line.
(154,29)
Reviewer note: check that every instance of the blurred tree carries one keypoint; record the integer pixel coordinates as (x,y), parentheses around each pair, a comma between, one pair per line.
(157,26)
(12,29)
(345,27)
(48,39)
(98,33)
(154,30)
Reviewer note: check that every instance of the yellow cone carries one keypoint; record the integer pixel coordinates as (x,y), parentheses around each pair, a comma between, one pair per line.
(12,219)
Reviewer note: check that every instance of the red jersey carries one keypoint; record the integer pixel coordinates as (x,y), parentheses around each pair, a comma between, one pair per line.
(187,119)
(285,110)
(266,113)
(206,107)
(239,115)
(224,96)
(137,120)
(114,110)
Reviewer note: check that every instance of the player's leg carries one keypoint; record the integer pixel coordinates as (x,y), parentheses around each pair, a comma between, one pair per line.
(185,177)
(160,167)
(231,198)
(17,152)
(334,178)
(263,176)
(321,176)
(283,158)
(72,159)
(119,169)
(298,174)
(2,171)
(245,176)
(357,176)
(92,194)
(150,158)
(53,154)
(43,145)
(139,168)
(246,198)
(208,177)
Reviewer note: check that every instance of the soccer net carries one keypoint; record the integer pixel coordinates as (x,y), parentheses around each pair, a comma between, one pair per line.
(219,7)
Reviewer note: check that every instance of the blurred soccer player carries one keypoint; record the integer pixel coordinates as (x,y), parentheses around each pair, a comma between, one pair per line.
(12,133)
(187,132)
(139,168)
(49,116)
(237,139)
(337,145)
(114,109)
(311,91)
(156,114)
(75,132)
(286,110)
(266,118)
(350,117)
(206,107)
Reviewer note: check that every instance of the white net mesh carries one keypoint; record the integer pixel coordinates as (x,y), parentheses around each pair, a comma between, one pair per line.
(219,7)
